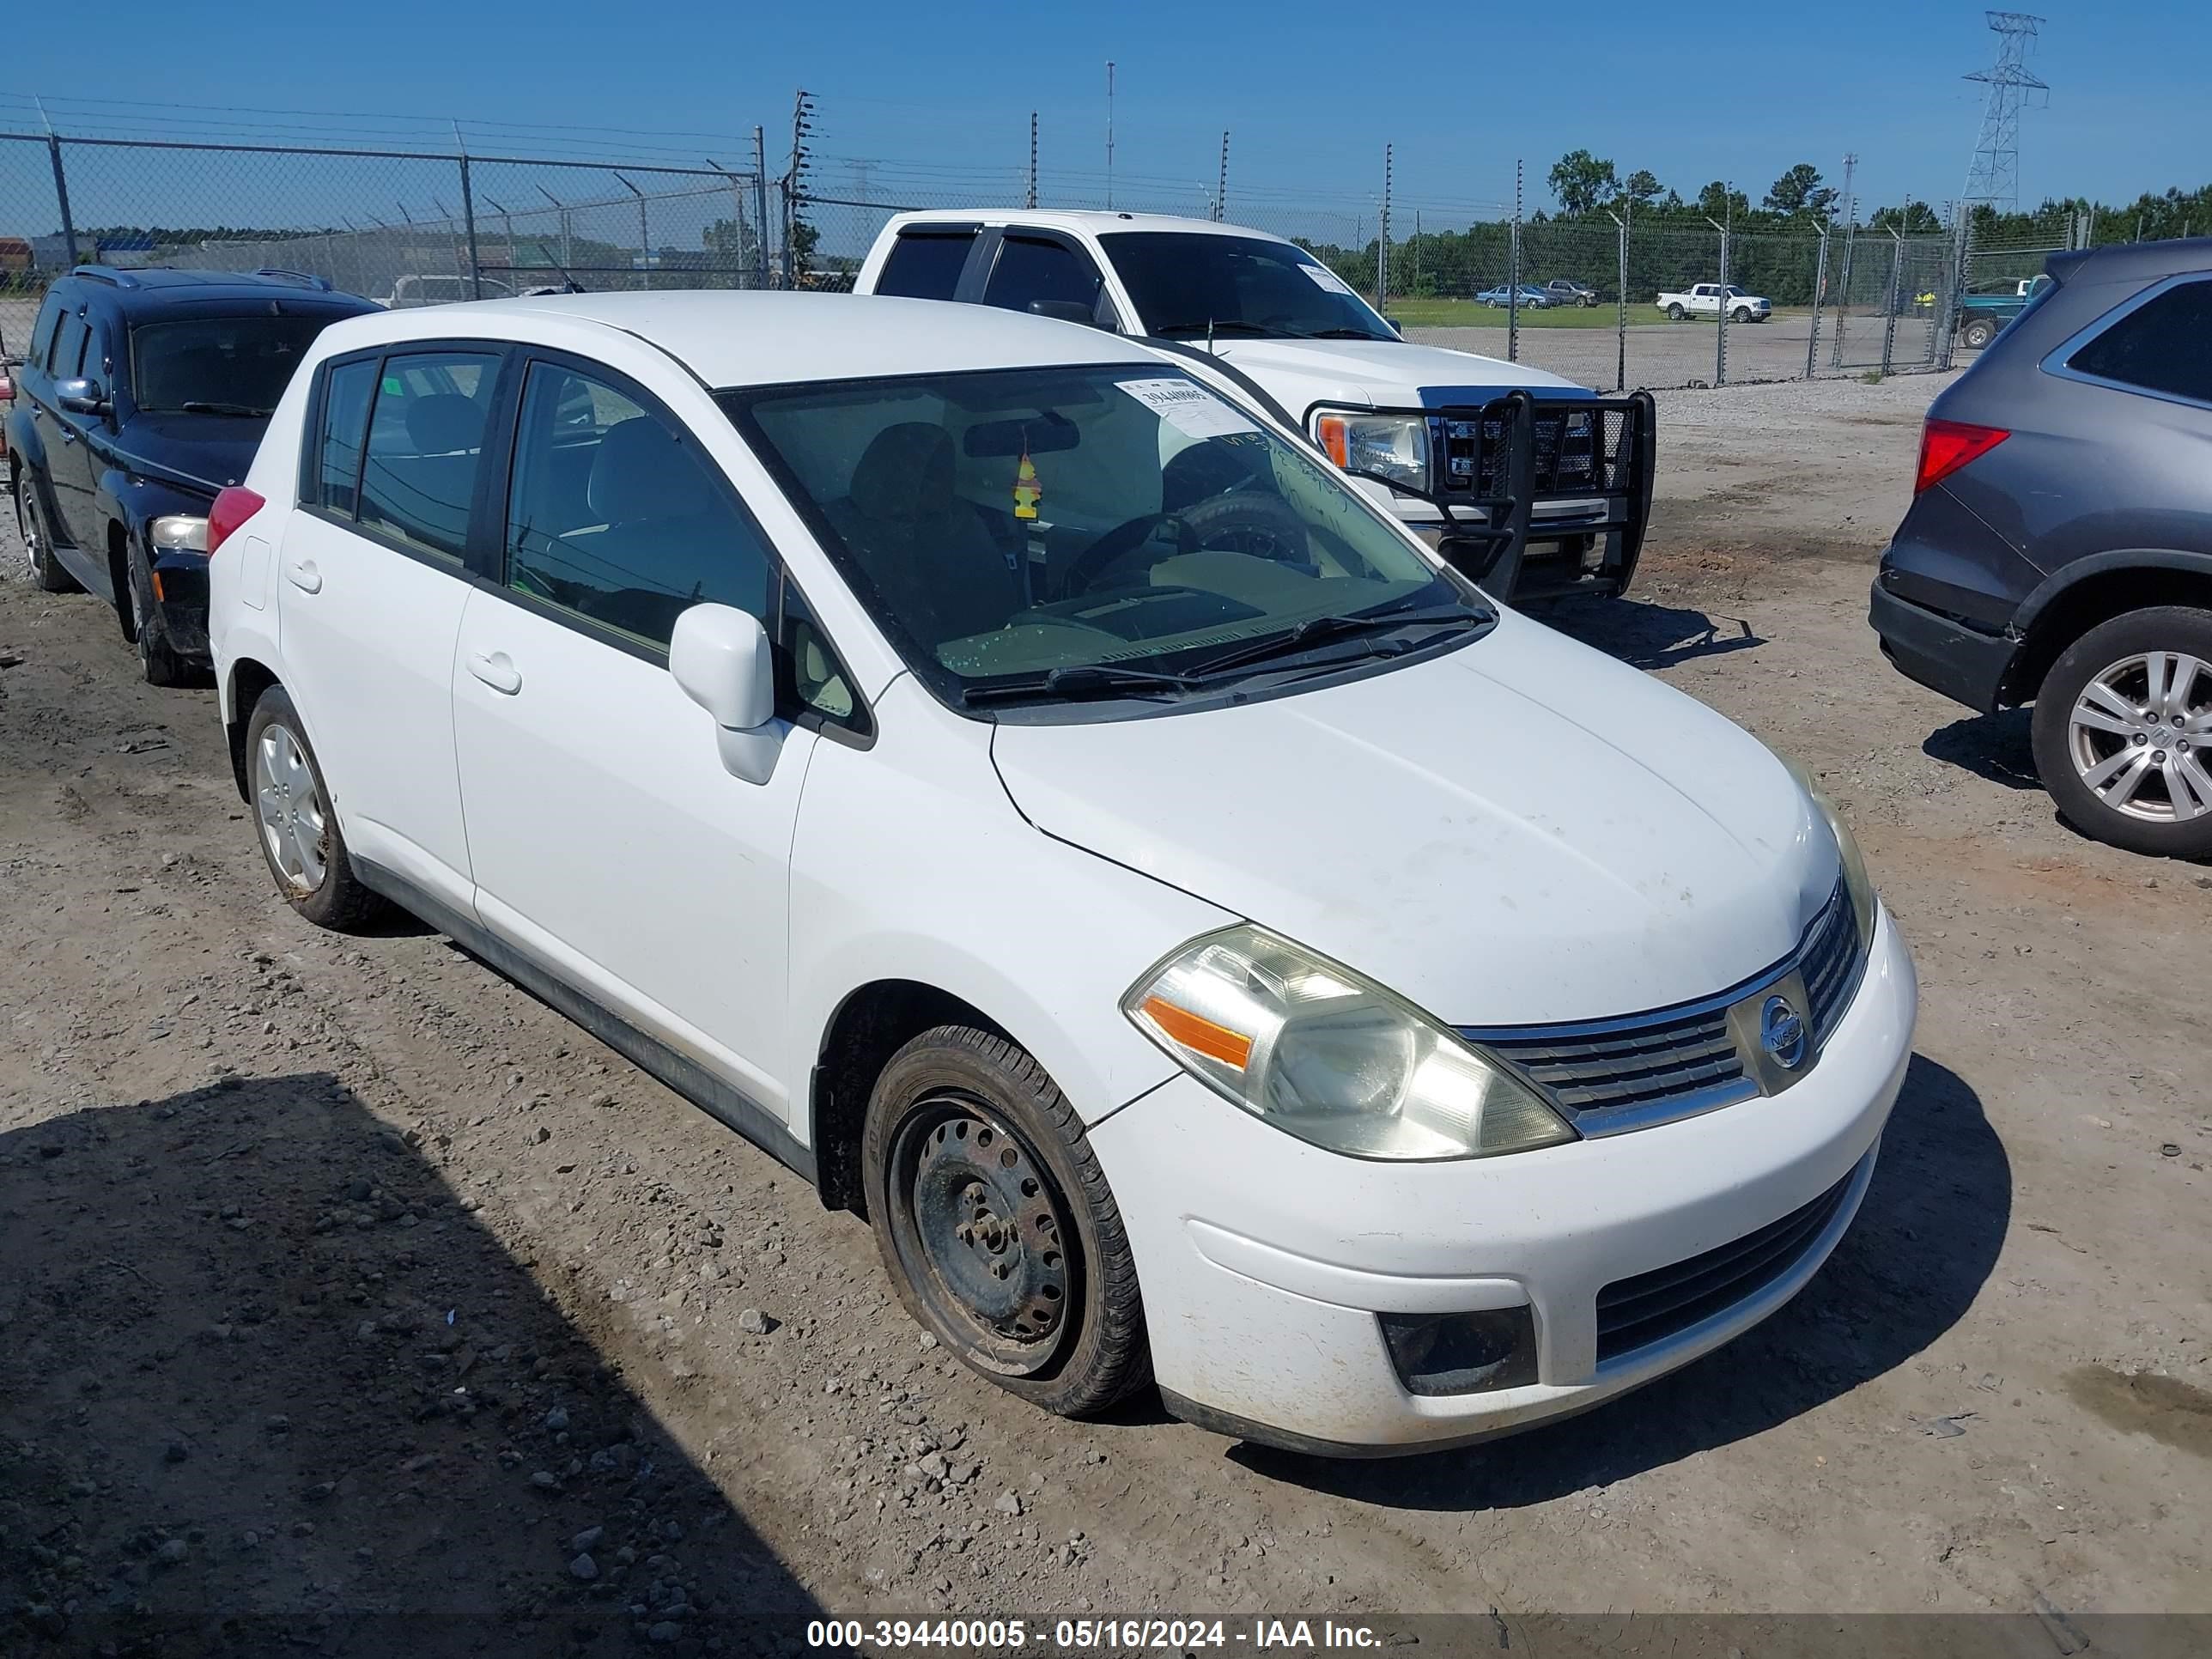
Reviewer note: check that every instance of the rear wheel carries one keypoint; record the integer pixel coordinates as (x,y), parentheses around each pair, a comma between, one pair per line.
(1675,313)
(38,543)
(1979,332)
(996,1225)
(2123,732)
(300,837)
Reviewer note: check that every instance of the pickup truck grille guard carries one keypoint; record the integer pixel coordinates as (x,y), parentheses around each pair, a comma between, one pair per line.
(1589,461)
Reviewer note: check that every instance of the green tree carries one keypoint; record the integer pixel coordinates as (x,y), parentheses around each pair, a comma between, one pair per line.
(1581,182)
(1717,200)
(1800,190)
(1641,187)
(1913,219)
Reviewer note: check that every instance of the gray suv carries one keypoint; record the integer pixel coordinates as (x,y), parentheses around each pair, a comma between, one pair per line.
(2058,551)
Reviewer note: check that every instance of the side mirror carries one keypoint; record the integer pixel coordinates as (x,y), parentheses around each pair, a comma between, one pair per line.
(1064,311)
(718,655)
(81,397)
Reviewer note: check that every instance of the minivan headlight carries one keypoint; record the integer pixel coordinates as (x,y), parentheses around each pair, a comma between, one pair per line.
(1856,881)
(1331,1057)
(1395,445)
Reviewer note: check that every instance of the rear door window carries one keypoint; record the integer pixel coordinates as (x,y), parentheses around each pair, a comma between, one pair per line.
(926,265)
(1032,268)
(2164,345)
(345,416)
(426,437)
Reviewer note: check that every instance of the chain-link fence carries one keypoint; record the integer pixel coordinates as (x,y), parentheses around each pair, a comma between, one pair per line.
(1601,302)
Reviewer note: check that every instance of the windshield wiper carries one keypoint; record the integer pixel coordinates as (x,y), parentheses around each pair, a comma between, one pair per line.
(197,406)
(1221,325)
(1074,680)
(1316,630)
(1342,334)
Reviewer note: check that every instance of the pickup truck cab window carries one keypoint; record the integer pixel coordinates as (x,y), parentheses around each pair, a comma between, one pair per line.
(925,264)
(1238,286)
(1034,271)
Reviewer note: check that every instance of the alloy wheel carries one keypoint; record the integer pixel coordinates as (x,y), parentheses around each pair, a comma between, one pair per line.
(294,820)
(2138,737)
(983,1234)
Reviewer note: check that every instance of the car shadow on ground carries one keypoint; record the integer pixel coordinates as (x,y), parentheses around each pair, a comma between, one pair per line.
(266,1385)
(1997,747)
(1646,635)
(1926,1238)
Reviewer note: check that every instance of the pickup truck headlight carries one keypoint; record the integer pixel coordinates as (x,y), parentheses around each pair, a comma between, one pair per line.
(178,533)
(1331,1057)
(1856,881)
(1395,445)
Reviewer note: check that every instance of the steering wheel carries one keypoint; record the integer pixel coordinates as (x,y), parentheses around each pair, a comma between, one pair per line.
(1251,521)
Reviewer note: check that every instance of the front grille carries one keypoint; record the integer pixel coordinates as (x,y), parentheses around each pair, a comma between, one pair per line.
(1632,1313)
(1577,450)
(1613,1067)
(1633,1072)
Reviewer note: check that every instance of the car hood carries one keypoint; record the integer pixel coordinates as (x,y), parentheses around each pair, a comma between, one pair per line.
(1382,373)
(202,453)
(1522,830)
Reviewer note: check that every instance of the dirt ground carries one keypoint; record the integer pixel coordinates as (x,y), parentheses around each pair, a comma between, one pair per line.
(349,1297)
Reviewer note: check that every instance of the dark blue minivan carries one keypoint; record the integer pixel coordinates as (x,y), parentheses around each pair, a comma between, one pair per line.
(2059,550)
(141,393)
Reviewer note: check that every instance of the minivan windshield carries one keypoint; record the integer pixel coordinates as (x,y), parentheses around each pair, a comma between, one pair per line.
(218,365)
(1091,531)
(1185,282)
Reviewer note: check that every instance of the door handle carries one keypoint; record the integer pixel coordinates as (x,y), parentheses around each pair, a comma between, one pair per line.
(496,671)
(303,575)
(68,432)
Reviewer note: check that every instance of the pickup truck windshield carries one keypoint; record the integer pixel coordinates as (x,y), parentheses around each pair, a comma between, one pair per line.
(218,365)
(1244,285)
(1043,533)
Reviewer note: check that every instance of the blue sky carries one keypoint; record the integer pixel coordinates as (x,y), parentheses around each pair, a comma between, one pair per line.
(1311,92)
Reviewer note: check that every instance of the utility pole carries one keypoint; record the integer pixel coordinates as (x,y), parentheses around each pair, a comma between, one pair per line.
(1993,176)
(1031,201)
(1109,135)
(1221,193)
(760,206)
(802,113)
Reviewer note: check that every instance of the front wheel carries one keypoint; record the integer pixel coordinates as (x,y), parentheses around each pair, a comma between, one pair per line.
(158,659)
(1675,313)
(1979,333)
(2123,732)
(1739,315)
(300,837)
(996,1225)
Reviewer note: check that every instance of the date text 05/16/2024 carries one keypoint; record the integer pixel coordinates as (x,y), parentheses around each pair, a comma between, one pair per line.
(1091,1635)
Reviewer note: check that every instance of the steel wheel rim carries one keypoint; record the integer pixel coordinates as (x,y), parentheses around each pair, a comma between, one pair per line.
(980,1228)
(2137,736)
(295,823)
(32,536)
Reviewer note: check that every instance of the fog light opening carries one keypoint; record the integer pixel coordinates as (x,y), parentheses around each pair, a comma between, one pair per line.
(1461,1352)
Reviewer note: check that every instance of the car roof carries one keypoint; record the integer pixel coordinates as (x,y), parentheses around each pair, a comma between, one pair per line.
(2143,262)
(1095,223)
(137,289)
(752,338)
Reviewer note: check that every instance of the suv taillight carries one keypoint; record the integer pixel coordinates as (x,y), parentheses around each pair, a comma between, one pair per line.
(1947,446)
(232,509)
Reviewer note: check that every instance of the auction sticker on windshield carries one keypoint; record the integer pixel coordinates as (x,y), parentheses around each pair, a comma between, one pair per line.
(1188,407)
(1322,277)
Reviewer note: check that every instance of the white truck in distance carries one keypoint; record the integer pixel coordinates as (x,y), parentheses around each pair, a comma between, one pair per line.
(1704,300)
(1438,426)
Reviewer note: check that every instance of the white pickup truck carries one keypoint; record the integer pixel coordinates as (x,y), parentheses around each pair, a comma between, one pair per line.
(1705,299)
(1288,331)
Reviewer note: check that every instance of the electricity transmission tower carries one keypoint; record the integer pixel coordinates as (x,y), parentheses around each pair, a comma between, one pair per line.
(1994,176)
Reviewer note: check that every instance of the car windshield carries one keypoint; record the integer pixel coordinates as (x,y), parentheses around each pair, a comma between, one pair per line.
(1184,283)
(1099,528)
(217,365)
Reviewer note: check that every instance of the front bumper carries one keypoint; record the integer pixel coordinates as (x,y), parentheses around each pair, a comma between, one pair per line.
(181,593)
(1265,1260)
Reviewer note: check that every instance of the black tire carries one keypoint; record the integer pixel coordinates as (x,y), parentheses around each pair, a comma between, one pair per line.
(1675,313)
(158,659)
(963,1125)
(38,541)
(2154,826)
(1740,314)
(337,901)
(1978,333)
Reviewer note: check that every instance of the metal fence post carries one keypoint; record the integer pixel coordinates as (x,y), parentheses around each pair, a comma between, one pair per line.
(61,199)
(469,223)
(1720,305)
(1620,307)
(1896,290)
(1844,292)
(1513,277)
(1820,289)
(760,202)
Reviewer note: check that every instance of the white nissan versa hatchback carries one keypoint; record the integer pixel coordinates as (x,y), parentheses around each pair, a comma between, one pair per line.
(1010,779)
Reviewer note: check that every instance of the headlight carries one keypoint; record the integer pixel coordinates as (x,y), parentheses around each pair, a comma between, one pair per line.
(178,533)
(1333,1058)
(1855,879)
(1395,445)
